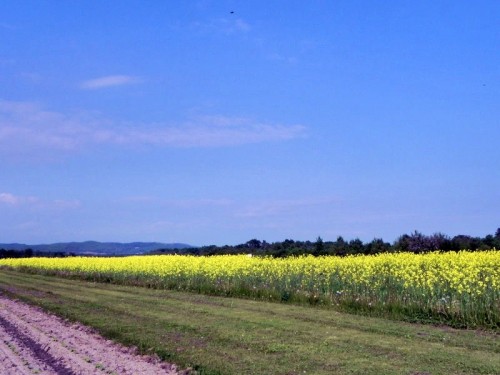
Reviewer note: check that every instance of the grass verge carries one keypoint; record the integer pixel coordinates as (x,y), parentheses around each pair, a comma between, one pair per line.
(217,335)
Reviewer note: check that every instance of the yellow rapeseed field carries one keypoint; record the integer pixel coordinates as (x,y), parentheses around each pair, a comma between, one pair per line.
(456,285)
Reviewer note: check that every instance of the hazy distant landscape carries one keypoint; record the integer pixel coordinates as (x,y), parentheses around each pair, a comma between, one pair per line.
(95,247)
(415,242)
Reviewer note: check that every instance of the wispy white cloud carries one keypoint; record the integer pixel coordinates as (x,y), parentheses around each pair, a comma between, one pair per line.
(15,200)
(66,204)
(109,81)
(281,58)
(281,207)
(241,25)
(8,198)
(181,203)
(27,128)
(226,25)
(216,131)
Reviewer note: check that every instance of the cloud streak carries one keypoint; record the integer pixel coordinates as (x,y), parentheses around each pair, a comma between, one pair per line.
(13,200)
(225,25)
(274,208)
(27,127)
(180,203)
(109,81)
(10,199)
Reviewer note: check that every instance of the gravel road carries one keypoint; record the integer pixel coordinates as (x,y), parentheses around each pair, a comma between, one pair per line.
(34,342)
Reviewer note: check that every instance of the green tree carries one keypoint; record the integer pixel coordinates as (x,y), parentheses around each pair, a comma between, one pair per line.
(356,246)
(319,246)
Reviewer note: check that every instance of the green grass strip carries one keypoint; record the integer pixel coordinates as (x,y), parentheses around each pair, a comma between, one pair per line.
(217,335)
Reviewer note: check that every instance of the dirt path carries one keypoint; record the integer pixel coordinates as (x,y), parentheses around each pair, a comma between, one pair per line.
(34,342)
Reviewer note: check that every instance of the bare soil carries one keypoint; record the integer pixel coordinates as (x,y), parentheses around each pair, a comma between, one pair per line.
(34,342)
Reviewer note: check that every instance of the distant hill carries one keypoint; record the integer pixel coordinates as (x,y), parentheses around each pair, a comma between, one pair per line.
(97,248)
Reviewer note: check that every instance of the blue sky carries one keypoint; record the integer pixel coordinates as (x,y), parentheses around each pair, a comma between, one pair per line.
(179,121)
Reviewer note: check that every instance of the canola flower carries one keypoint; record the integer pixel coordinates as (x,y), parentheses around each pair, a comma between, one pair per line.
(463,287)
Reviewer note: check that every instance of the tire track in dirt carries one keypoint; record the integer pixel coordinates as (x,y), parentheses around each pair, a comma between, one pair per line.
(34,342)
(39,353)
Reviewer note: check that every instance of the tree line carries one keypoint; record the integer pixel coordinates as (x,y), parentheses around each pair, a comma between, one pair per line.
(415,242)
(28,253)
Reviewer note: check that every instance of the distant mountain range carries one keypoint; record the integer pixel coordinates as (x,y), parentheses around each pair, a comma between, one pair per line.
(97,248)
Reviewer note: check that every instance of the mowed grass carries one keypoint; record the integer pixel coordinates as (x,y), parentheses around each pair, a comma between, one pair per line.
(217,335)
